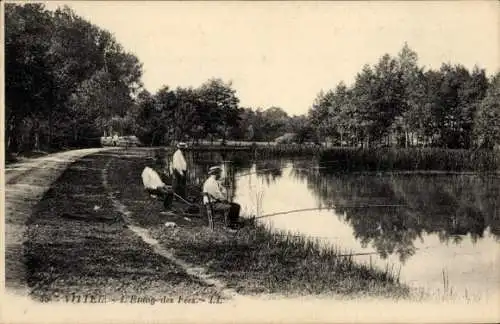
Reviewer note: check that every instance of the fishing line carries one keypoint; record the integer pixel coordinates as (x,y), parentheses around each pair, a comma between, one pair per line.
(325,208)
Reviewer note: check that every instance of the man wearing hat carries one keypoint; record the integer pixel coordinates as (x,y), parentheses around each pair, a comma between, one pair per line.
(178,169)
(217,193)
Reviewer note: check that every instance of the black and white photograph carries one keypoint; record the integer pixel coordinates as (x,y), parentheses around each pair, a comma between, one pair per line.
(251,161)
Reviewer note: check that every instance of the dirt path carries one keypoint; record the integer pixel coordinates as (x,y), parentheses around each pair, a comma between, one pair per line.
(25,184)
(198,272)
(66,235)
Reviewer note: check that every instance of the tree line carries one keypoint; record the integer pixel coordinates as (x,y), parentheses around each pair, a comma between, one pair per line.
(69,82)
(397,102)
(66,80)
(209,112)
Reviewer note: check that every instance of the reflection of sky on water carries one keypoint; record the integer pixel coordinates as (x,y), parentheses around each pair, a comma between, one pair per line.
(406,235)
(449,223)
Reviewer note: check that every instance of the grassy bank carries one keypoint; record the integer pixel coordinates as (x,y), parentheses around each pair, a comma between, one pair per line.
(413,159)
(288,150)
(348,159)
(20,156)
(382,159)
(77,243)
(259,260)
(255,259)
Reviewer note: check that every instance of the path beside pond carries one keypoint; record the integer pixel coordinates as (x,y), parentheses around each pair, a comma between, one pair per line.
(74,241)
(25,184)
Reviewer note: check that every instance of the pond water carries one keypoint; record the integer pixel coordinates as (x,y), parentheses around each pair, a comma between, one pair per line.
(429,228)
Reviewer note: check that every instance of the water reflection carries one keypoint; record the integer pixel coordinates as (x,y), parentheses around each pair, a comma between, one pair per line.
(450,206)
(199,163)
(269,170)
(436,223)
(405,208)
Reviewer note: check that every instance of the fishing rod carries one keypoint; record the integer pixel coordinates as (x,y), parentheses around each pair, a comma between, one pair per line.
(185,201)
(302,209)
(325,208)
(256,172)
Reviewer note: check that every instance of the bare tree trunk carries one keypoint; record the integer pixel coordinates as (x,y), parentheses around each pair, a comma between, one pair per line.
(153,139)
(224,135)
(37,140)
(75,132)
(10,127)
(50,129)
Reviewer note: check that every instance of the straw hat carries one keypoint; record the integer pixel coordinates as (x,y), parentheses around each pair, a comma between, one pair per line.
(214,169)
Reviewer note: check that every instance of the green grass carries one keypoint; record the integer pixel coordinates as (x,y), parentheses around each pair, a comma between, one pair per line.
(17,157)
(413,159)
(73,248)
(259,260)
(288,150)
(348,159)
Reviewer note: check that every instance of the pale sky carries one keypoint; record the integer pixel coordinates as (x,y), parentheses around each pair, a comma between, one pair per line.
(283,53)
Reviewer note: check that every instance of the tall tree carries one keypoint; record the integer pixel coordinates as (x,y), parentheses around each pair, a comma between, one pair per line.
(320,113)
(187,118)
(275,122)
(412,119)
(55,63)
(28,80)
(487,121)
(218,108)
(471,93)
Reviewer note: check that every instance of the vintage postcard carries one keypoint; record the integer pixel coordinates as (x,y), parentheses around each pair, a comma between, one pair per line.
(251,161)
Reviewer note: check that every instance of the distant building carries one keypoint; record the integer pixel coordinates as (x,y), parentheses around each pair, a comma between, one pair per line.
(126,141)
(286,138)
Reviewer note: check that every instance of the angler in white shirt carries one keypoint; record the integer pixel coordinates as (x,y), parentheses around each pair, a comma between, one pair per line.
(217,193)
(178,169)
(155,186)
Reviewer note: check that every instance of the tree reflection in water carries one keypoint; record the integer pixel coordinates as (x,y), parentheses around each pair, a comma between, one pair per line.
(200,161)
(269,170)
(450,206)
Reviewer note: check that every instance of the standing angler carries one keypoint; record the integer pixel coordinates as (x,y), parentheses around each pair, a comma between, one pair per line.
(178,169)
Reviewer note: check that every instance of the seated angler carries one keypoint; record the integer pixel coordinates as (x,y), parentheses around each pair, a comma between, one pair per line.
(155,186)
(217,194)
